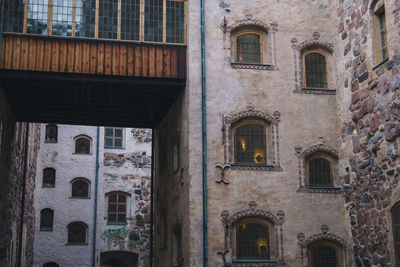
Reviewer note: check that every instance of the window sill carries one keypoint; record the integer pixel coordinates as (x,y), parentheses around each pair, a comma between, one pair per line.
(254,66)
(50,142)
(377,66)
(255,167)
(321,189)
(81,153)
(46,230)
(48,186)
(79,197)
(110,147)
(315,91)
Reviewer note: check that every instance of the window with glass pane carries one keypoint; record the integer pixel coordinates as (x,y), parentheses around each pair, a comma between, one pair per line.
(324,256)
(320,172)
(130,19)
(76,233)
(252,241)
(153,20)
(61,19)
(51,133)
(117,208)
(37,17)
(316,75)
(46,219)
(175,22)
(108,19)
(250,144)
(82,146)
(248,48)
(113,137)
(13,15)
(49,177)
(85,18)
(80,188)
(383,34)
(396,231)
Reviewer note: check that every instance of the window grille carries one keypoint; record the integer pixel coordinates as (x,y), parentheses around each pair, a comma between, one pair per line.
(315,70)
(46,219)
(51,133)
(175,27)
(37,19)
(248,48)
(153,20)
(113,137)
(49,177)
(396,231)
(250,144)
(80,188)
(76,233)
(117,208)
(82,146)
(383,34)
(252,241)
(14,16)
(108,19)
(130,20)
(324,256)
(320,172)
(85,18)
(61,19)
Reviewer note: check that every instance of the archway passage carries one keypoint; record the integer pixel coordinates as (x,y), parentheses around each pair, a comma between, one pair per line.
(118,259)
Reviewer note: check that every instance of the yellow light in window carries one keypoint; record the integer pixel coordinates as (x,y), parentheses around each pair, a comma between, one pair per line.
(244,226)
(262,246)
(243,144)
(258,157)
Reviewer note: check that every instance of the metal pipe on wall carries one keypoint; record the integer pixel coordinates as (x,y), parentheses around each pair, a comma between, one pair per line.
(96,182)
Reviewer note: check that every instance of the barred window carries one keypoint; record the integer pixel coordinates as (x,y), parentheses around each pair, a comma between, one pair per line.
(175,20)
(248,48)
(250,145)
(14,16)
(130,20)
(51,133)
(77,233)
(82,145)
(396,231)
(46,219)
(117,207)
(80,188)
(113,137)
(315,70)
(153,20)
(108,19)
(49,177)
(252,241)
(319,171)
(323,256)
(383,34)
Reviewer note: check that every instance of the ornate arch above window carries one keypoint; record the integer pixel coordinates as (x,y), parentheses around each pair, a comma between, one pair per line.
(259,51)
(318,169)
(258,153)
(328,242)
(264,249)
(313,66)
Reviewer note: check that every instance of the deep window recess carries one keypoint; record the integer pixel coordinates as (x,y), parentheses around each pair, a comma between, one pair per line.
(324,256)
(248,48)
(252,241)
(315,70)
(46,219)
(49,177)
(117,207)
(162,21)
(383,34)
(51,133)
(320,172)
(80,188)
(396,231)
(250,147)
(113,137)
(82,145)
(51,264)
(76,233)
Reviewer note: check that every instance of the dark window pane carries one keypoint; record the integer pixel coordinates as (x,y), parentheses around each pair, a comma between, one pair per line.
(248,48)
(109,142)
(51,264)
(252,241)
(80,189)
(153,21)
(37,16)
(85,17)
(46,219)
(109,132)
(250,144)
(130,20)
(112,208)
(316,76)
(76,233)
(112,217)
(175,20)
(49,176)
(320,172)
(13,15)
(324,256)
(51,133)
(82,146)
(118,132)
(108,19)
(121,217)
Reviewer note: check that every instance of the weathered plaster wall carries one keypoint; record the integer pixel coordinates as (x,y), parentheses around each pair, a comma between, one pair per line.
(368,112)
(12,183)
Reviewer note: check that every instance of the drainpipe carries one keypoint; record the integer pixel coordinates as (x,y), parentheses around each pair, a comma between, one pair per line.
(204,134)
(151,200)
(96,182)
(21,225)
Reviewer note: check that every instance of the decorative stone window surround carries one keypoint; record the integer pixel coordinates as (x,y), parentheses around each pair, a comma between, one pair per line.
(324,237)
(303,179)
(275,232)
(271,122)
(267,32)
(305,46)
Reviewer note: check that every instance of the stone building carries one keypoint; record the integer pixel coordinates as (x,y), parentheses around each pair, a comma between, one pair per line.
(88,174)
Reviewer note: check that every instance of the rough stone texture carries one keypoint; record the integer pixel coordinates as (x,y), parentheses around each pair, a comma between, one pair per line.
(125,170)
(16,232)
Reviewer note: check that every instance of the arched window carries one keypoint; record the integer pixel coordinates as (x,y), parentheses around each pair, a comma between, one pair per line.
(250,143)
(80,188)
(248,48)
(323,254)
(315,70)
(49,177)
(46,219)
(82,145)
(77,233)
(116,211)
(51,133)
(252,241)
(319,170)
(396,231)
(51,264)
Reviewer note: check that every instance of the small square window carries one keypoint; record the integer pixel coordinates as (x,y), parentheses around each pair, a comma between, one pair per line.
(113,137)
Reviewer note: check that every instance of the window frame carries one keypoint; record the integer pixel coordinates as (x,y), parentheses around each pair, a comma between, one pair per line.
(113,138)
(316,245)
(304,54)
(268,235)
(80,179)
(43,176)
(86,233)
(44,228)
(117,212)
(79,137)
(240,33)
(377,9)
(316,156)
(141,26)
(46,138)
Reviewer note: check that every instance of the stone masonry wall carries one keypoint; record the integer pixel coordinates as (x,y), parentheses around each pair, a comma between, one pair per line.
(369,113)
